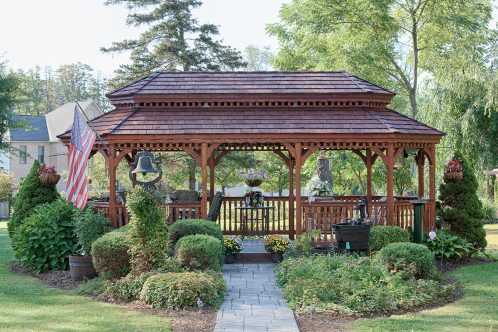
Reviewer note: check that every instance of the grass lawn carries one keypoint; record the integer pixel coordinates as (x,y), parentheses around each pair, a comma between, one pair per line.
(476,311)
(28,305)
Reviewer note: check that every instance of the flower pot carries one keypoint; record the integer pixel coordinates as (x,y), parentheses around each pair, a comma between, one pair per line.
(230,259)
(276,257)
(81,268)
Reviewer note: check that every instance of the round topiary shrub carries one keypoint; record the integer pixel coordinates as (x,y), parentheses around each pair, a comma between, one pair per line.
(110,254)
(183,290)
(46,238)
(409,259)
(200,252)
(381,236)
(186,227)
(32,192)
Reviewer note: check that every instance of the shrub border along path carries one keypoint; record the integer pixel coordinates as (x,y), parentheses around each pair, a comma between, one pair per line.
(28,305)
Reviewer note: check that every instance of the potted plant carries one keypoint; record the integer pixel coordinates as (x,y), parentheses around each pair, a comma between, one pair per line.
(48,176)
(89,226)
(276,246)
(232,250)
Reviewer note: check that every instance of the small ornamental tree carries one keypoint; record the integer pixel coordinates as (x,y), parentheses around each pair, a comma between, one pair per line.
(461,207)
(32,192)
(148,232)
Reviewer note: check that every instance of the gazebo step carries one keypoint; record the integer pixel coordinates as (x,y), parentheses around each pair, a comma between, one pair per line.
(254,257)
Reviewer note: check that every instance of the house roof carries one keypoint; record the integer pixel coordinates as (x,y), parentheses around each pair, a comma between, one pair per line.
(182,83)
(31,128)
(259,120)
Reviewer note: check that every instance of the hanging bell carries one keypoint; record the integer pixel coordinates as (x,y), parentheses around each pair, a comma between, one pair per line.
(145,163)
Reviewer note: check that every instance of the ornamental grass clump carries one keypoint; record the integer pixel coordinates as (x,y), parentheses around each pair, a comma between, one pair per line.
(200,252)
(184,290)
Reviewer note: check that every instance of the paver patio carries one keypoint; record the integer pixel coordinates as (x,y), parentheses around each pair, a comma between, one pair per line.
(253,303)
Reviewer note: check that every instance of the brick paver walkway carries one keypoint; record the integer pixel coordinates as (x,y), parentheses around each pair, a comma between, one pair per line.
(254,303)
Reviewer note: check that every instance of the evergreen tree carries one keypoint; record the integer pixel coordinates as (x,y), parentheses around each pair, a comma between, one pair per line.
(174,40)
(32,192)
(8,87)
(461,206)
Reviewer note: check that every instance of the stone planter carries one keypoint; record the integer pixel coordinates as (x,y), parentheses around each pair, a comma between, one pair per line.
(351,237)
(81,268)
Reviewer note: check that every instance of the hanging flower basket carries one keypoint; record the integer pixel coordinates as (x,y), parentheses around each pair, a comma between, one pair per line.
(48,176)
(254,178)
(453,170)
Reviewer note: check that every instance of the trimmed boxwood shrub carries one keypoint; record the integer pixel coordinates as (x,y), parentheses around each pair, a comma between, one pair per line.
(381,236)
(200,252)
(46,238)
(186,227)
(110,254)
(408,259)
(128,288)
(183,290)
(31,194)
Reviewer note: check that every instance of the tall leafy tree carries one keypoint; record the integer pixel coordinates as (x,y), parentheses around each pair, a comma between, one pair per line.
(258,59)
(8,87)
(173,40)
(391,42)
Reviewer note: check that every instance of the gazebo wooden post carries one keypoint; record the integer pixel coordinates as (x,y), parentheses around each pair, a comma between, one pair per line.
(390,184)
(420,159)
(292,230)
(113,164)
(297,184)
(369,163)
(429,224)
(204,179)
(212,168)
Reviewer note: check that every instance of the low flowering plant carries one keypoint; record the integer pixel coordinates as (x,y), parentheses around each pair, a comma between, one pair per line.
(232,247)
(276,244)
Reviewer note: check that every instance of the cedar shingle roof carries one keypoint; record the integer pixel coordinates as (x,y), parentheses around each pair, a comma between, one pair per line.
(181,83)
(251,121)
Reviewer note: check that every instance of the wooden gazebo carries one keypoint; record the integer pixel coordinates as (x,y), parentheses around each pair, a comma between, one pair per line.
(293,114)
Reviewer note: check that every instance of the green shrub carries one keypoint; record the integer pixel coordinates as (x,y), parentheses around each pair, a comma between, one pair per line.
(92,287)
(128,288)
(276,244)
(46,238)
(381,236)
(31,194)
(461,207)
(353,285)
(303,245)
(186,227)
(200,252)
(110,254)
(169,264)
(408,259)
(231,246)
(89,226)
(183,290)
(147,231)
(450,247)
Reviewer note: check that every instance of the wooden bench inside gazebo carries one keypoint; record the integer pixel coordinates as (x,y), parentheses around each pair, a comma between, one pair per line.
(291,114)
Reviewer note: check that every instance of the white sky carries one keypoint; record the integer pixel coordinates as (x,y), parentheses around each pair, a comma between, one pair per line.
(55,32)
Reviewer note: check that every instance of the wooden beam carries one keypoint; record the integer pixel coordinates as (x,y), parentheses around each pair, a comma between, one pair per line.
(390,185)
(292,229)
(369,160)
(420,160)
(212,169)
(297,183)
(429,224)
(307,153)
(113,164)
(286,159)
(204,179)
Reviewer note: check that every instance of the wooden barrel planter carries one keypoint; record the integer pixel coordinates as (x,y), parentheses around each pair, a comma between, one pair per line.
(81,268)
(351,237)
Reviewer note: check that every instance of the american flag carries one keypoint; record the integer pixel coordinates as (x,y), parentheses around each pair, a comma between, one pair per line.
(82,140)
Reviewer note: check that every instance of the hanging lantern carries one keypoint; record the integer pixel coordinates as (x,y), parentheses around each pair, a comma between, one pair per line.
(145,163)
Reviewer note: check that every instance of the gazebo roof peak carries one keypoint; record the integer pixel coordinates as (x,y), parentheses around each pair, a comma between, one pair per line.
(245,83)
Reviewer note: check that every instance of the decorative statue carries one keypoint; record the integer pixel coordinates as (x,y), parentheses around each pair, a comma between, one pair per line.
(321,183)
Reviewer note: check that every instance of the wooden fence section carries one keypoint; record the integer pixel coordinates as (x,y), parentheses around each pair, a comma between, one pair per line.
(316,215)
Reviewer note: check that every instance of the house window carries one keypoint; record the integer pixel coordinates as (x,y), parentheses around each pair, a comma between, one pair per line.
(41,154)
(23,154)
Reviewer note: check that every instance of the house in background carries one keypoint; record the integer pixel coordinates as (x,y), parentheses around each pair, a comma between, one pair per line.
(37,139)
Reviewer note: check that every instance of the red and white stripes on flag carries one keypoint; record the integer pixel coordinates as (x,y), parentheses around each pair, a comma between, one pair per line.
(82,140)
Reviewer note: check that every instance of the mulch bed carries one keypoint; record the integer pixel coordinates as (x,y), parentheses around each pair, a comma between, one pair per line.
(323,322)
(445,266)
(53,279)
